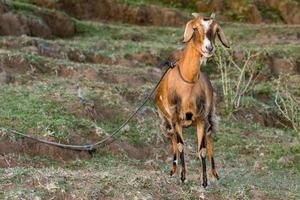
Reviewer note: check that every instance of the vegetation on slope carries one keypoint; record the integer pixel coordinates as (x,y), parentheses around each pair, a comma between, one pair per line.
(115,66)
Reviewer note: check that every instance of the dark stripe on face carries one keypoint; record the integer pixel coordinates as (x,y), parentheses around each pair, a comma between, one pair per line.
(209,34)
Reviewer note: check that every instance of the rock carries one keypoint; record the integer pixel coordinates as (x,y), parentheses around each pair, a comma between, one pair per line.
(60,24)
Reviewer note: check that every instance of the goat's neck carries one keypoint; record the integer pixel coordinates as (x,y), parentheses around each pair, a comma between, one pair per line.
(190,65)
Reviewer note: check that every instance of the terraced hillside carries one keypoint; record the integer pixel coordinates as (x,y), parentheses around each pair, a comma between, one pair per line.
(113,66)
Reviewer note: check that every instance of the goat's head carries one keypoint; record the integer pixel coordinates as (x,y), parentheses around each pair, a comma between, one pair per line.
(202,32)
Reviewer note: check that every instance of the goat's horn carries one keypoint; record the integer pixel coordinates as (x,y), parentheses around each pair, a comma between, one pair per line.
(196,14)
(213,16)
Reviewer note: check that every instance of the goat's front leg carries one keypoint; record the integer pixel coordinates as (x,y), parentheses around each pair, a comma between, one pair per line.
(180,146)
(175,154)
(202,150)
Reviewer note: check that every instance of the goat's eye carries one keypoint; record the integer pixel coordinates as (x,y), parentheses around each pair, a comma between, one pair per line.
(206,19)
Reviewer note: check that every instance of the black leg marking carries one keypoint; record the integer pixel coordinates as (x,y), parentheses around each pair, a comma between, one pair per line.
(183,170)
(215,174)
(181,155)
(204,172)
(174,165)
(212,162)
(203,158)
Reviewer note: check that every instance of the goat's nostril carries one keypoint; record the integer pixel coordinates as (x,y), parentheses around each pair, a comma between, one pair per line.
(189,116)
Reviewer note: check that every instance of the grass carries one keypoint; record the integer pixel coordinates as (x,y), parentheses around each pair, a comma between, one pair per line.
(23,109)
(187,6)
(245,171)
(253,161)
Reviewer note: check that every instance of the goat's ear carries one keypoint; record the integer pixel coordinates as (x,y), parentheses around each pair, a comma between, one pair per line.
(222,37)
(189,30)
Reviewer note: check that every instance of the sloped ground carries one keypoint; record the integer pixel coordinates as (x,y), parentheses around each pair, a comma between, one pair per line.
(115,66)
(154,12)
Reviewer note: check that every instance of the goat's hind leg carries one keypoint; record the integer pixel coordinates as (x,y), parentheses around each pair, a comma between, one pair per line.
(210,155)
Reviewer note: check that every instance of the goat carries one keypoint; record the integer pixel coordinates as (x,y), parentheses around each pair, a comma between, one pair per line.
(185,96)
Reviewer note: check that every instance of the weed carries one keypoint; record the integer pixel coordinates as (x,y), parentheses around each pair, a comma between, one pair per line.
(288,104)
(237,80)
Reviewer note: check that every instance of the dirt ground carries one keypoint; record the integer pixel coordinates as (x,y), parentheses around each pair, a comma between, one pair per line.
(44,76)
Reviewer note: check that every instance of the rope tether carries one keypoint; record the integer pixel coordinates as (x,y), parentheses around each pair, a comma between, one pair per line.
(91,147)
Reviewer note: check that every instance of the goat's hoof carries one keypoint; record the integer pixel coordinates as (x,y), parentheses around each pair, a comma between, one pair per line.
(183,177)
(183,180)
(204,182)
(172,173)
(215,174)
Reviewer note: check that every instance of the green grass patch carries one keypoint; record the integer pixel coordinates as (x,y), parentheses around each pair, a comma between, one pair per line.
(36,109)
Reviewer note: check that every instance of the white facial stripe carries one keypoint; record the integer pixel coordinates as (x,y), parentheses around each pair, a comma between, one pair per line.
(206,43)
(206,24)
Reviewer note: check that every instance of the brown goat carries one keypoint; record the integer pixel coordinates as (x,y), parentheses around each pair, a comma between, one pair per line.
(185,96)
